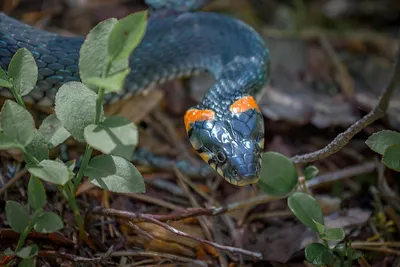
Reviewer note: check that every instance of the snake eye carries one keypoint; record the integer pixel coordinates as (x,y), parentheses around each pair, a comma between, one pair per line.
(221,157)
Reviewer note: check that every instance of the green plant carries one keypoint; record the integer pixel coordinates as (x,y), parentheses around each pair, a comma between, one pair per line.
(279,178)
(20,221)
(387,144)
(103,66)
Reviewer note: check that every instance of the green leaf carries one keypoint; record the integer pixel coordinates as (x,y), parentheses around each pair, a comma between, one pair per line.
(9,252)
(17,216)
(53,131)
(28,252)
(27,263)
(94,51)
(36,193)
(310,172)
(5,83)
(37,148)
(23,72)
(126,35)
(51,171)
(3,74)
(320,227)
(380,141)
(306,209)
(391,157)
(16,121)
(7,142)
(48,222)
(318,254)
(76,108)
(115,174)
(356,254)
(115,135)
(278,174)
(113,83)
(334,234)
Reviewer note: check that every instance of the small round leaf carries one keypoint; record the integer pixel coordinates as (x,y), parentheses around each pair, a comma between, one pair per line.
(310,172)
(318,254)
(381,140)
(278,174)
(115,135)
(126,35)
(334,234)
(76,108)
(8,142)
(28,252)
(115,174)
(320,227)
(23,71)
(9,252)
(38,147)
(51,171)
(17,122)
(53,131)
(306,209)
(391,157)
(113,83)
(48,222)
(36,193)
(26,262)
(17,216)
(94,51)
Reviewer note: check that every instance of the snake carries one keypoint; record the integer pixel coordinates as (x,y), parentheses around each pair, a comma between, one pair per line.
(225,128)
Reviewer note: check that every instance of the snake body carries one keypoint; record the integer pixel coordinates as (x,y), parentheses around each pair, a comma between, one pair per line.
(226,127)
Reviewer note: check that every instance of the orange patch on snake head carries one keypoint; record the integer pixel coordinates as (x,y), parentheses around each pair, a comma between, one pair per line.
(244,104)
(193,115)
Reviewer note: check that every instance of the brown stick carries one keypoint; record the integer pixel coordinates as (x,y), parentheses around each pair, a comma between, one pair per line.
(344,138)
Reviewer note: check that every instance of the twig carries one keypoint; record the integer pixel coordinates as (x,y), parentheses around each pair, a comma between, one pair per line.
(342,174)
(141,231)
(383,250)
(204,222)
(214,211)
(139,217)
(131,253)
(234,250)
(342,139)
(54,238)
(375,244)
(12,181)
(67,256)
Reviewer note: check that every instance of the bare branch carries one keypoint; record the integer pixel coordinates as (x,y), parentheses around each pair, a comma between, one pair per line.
(140,217)
(343,139)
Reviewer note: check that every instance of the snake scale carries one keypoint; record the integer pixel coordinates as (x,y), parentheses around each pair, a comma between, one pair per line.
(226,127)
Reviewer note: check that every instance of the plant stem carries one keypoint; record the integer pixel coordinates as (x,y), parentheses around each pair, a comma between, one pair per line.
(25,233)
(68,189)
(85,162)
(99,105)
(18,98)
(89,149)
(30,156)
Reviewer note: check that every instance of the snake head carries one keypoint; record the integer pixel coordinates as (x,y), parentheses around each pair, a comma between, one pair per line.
(231,145)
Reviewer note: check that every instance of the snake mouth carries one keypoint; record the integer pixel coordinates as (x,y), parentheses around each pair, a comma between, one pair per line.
(243,180)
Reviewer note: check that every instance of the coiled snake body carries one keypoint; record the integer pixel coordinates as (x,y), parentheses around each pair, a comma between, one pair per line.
(226,127)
